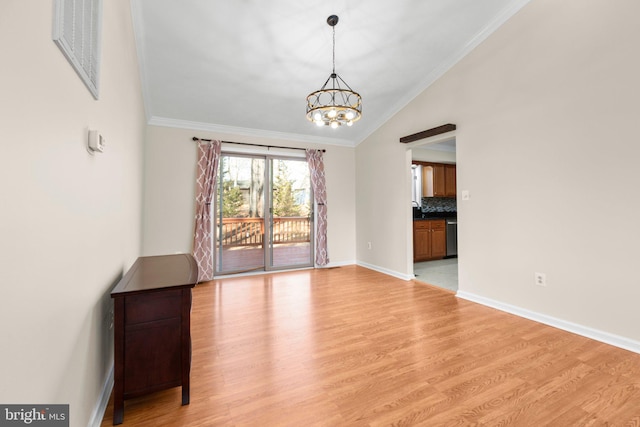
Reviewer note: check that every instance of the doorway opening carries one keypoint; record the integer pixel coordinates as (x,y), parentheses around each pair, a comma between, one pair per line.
(263,214)
(439,268)
(442,273)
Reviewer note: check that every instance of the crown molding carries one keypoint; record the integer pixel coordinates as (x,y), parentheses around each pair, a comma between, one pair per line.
(209,127)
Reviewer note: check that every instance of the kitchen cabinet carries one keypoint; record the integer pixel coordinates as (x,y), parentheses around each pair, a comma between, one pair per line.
(449,180)
(438,179)
(429,239)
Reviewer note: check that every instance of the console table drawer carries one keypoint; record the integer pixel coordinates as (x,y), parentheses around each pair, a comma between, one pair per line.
(152,306)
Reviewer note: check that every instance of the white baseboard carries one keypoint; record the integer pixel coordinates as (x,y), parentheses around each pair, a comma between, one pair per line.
(585,331)
(101,405)
(339,264)
(386,271)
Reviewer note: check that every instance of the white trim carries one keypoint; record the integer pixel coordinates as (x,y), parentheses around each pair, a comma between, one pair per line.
(386,271)
(209,127)
(101,405)
(585,331)
(339,264)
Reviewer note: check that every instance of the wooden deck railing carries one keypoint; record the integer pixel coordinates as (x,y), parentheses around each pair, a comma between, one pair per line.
(242,231)
(250,231)
(291,229)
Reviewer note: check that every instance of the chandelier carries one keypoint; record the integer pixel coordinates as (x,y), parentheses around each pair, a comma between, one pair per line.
(335,104)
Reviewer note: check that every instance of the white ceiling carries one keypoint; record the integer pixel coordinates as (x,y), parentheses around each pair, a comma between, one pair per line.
(246,66)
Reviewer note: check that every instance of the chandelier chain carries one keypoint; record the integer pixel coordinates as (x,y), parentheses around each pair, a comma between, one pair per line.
(334,49)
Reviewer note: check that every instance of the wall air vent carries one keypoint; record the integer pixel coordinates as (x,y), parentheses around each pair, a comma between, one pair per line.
(77,32)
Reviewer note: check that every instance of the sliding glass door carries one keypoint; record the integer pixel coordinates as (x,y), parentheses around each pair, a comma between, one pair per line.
(263,214)
(290,213)
(240,214)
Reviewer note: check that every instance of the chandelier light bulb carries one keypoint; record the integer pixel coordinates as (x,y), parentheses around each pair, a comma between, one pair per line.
(332,113)
(319,123)
(317,117)
(349,116)
(334,124)
(350,123)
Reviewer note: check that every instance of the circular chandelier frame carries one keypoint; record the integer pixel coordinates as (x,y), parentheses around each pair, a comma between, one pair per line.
(335,104)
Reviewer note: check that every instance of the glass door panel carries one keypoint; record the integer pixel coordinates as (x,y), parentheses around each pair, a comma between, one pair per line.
(246,239)
(290,228)
(240,225)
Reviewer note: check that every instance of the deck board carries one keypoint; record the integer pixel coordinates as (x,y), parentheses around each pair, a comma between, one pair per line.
(246,258)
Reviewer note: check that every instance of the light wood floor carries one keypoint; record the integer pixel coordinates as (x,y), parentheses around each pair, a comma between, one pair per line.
(352,347)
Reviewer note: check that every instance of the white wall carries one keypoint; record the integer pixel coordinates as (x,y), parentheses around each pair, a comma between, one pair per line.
(170,158)
(547,145)
(383,203)
(69,221)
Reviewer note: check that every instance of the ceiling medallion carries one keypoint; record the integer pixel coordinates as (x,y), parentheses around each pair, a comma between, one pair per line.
(335,104)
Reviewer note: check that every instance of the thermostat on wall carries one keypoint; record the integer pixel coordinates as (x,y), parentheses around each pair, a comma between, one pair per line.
(96,142)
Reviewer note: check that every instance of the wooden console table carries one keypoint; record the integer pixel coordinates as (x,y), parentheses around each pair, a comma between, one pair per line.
(152,328)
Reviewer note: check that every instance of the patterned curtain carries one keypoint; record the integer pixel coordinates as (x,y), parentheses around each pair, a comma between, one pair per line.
(316,167)
(207,171)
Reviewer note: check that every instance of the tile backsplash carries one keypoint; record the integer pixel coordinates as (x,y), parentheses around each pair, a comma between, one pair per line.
(438,204)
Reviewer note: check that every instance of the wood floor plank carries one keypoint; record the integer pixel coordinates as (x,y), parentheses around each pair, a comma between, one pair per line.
(350,346)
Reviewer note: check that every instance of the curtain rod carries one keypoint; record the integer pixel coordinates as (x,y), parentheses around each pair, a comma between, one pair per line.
(195,138)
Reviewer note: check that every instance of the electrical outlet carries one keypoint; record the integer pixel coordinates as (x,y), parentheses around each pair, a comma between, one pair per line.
(466,195)
(541,279)
(368,245)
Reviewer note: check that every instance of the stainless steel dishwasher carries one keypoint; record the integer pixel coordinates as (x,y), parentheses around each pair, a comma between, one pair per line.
(452,236)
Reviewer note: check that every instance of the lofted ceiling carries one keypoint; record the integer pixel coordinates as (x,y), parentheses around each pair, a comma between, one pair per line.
(246,66)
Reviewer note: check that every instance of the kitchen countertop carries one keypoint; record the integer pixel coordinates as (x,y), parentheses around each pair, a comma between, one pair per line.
(437,215)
